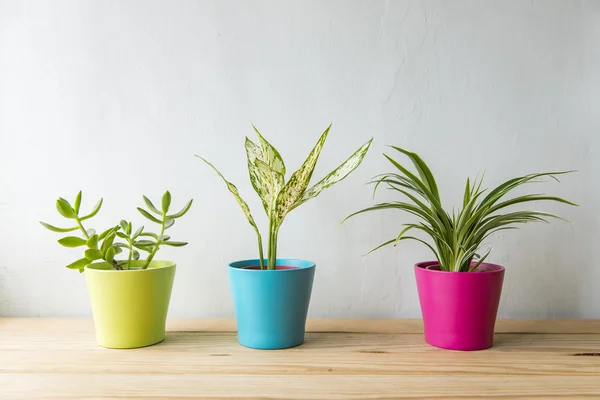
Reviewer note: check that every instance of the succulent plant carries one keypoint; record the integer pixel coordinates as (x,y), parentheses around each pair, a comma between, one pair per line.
(105,246)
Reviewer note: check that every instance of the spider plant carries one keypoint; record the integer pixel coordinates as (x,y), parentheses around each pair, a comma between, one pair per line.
(457,236)
(104,247)
(267,175)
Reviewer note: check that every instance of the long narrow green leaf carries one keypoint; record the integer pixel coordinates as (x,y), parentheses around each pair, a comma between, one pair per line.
(94,211)
(423,170)
(234,191)
(183,211)
(151,206)
(56,229)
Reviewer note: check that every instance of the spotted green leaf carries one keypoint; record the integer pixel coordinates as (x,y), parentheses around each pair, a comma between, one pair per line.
(253,153)
(270,154)
(336,175)
(295,187)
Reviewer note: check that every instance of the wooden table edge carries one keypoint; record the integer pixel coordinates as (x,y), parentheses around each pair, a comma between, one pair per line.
(342,325)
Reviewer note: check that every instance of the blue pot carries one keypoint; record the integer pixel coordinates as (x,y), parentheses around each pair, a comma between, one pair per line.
(271,306)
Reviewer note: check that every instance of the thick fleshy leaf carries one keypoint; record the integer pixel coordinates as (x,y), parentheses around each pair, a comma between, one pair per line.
(149,234)
(138,232)
(183,211)
(77,203)
(234,191)
(175,244)
(169,223)
(336,175)
(295,187)
(56,229)
(90,232)
(107,242)
(79,264)
(92,242)
(135,254)
(166,201)
(144,243)
(108,231)
(72,241)
(93,254)
(151,206)
(270,155)
(123,225)
(109,256)
(64,208)
(149,216)
(94,211)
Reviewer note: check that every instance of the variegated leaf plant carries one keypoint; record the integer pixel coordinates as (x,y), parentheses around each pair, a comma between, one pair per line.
(267,175)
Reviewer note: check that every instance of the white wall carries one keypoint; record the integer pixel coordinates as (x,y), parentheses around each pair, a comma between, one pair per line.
(115,97)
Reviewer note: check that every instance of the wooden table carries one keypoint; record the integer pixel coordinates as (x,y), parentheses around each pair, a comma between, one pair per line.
(341,359)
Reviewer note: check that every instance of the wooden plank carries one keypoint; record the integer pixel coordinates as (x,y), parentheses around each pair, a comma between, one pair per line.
(58,359)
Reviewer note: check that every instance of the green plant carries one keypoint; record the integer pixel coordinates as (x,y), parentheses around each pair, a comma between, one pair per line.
(104,246)
(267,175)
(457,237)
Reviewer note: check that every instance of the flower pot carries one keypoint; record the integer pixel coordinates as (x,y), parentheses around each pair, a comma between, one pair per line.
(459,308)
(271,306)
(130,307)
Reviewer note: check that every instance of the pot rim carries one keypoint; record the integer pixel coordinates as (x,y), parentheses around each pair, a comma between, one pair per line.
(95,267)
(491,268)
(300,264)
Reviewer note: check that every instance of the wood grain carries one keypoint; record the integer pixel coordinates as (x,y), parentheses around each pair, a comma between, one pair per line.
(341,359)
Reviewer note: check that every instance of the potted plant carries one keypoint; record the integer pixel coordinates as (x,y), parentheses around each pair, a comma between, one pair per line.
(130,297)
(459,292)
(271,295)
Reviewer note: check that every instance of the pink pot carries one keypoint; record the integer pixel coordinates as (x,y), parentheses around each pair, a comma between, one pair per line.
(459,308)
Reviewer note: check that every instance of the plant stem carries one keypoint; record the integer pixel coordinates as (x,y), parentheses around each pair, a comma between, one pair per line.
(158,242)
(82,228)
(272,256)
(260,252)
(130,253)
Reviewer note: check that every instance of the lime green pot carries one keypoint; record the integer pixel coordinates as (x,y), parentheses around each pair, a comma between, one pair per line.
(130,307)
